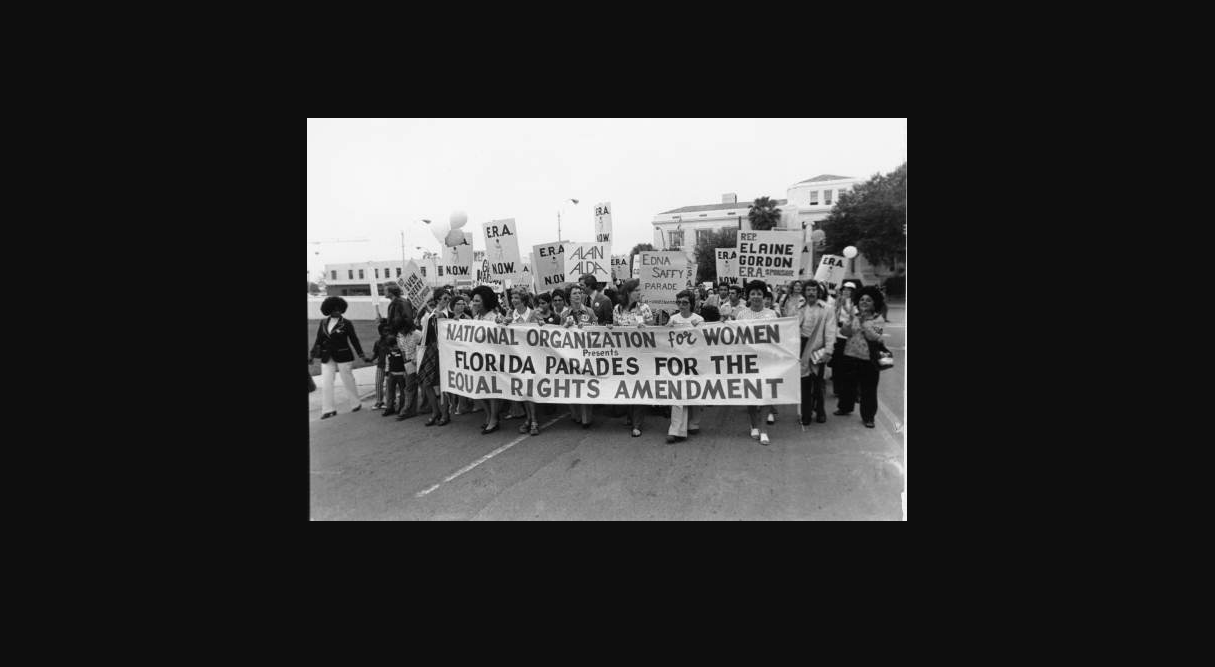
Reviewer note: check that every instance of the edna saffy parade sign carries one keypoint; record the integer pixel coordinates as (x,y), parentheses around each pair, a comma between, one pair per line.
(727,363)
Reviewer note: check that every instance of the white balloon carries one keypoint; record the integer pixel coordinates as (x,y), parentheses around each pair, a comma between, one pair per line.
(850,252)
(458,219)
(455,237)
(440,229)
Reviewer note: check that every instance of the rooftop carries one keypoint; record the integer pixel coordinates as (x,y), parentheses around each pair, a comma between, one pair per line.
(824,177)
(717,207)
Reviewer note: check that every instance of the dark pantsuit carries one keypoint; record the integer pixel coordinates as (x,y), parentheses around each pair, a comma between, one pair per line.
(812,392)
(853,377)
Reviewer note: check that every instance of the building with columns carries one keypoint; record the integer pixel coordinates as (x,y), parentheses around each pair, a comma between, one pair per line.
(805,203)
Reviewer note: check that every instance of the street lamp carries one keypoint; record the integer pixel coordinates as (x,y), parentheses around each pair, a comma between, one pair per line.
(559,239)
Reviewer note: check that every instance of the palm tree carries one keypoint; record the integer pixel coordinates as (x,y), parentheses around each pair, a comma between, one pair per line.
(763,214)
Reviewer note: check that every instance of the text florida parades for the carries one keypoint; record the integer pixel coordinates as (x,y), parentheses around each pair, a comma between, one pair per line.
(732,363)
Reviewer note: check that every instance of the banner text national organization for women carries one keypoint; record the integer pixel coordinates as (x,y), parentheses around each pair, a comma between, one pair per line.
(751,362)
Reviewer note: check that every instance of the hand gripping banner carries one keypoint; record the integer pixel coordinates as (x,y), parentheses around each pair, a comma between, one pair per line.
(749,362)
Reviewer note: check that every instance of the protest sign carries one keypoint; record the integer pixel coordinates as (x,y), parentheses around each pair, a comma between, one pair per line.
(620,267)
(664,273)
(804,265)
(752,362)
(413,286)
(593,258)
(502,249)
(727,265)
(548,261)
(691,274)
(769,256)
(455,265)
(603,223)
(831,270)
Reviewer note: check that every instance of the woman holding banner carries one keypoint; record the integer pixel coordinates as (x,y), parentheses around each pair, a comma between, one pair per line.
(520,312)
(685,419)
(428,370)
(633,313)
(579,314)
(485,309)
(756,290)
(457,404)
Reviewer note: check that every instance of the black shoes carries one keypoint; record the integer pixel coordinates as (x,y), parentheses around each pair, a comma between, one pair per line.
(693,431)
(489,429)
(869,424)
(821,418)
(406,415)
(327,415)
(841,413)
(360,407)
(445,421)
(675,438)
(432,421)
(389,411)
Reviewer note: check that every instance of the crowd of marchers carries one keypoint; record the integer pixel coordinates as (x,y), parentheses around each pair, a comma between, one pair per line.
(841,340)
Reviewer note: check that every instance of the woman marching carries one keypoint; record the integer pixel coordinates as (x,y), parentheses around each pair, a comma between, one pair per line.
(334,338)
(857,370)
(428,370)
(457,404)
(633,313)
(756,290)
(485,309)
(685,419)
(579,315)
(520,312)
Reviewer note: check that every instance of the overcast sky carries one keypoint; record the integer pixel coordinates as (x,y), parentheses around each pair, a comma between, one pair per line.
(374,178)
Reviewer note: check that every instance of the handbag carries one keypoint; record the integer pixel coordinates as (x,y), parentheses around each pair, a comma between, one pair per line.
(881,357)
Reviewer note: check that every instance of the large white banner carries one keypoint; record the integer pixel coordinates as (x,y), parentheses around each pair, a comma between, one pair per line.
(593,258)
(727,265)
(455,265)
(548,263)
(413,286)
(502,249)
(603,223)
(769,256)
(831,270)
(753,362)
(664,273)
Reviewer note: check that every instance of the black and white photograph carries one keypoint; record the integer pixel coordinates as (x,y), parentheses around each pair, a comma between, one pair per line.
(607,319)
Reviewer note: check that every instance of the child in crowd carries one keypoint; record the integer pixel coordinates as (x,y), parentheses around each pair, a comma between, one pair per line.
(409,338)
(379,352)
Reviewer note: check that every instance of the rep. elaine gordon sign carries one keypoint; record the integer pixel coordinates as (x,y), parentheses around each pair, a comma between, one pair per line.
(753,362)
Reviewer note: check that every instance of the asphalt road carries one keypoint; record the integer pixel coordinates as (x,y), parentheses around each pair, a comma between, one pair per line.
(368,467)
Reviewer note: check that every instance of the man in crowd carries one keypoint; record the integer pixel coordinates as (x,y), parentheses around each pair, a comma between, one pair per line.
(595,300)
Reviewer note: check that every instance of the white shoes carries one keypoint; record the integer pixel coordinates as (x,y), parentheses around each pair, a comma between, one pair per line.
(763,439)
(771,419)
(754,433)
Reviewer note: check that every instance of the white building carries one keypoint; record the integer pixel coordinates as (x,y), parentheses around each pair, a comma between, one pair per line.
(806,203)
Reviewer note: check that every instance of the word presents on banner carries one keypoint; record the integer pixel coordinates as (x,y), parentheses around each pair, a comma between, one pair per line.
(723,363)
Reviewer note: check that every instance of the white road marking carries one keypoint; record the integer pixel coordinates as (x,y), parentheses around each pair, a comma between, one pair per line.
(483,459)
(898,426)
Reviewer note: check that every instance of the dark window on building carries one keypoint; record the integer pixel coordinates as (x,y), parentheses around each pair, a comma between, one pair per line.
(398,272)
(361,274)
(377,274)
(827,197)
(333,274)
(350,273)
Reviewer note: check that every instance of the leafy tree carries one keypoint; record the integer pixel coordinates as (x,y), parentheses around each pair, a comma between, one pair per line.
(872,217)
(706,259)
(313,288)
(648,247)
(763,214)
